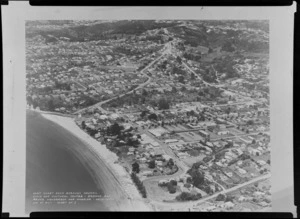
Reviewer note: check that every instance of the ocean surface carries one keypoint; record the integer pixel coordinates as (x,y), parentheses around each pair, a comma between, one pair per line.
(51,167)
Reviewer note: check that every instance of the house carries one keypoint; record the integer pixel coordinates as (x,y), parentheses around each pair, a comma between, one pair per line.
(241,199)
(147,173)
(163,182)
(228,205)
(242,171)
(223,132)
(209,144)
(229,174)
(258,194)
(167,141)
(245,140)
(131,149)
(158,163)
(240,162)
(143,160)
(254,152)
(261,162)
(211,208)
(147,155)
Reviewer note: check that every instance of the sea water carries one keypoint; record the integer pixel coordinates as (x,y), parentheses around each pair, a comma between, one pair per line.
(52,168)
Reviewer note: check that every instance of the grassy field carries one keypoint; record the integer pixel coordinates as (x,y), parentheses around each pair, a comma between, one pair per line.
(158,193)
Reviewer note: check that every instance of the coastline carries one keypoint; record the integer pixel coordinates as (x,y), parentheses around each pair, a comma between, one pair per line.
(95,156)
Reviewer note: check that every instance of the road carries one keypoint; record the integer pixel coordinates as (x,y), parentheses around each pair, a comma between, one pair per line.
(198,202)
(166,49)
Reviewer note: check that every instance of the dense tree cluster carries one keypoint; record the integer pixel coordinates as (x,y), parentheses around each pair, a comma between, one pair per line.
(197,176)
(186,196)
(151,164)
(225,65)
(163,104)
(228,47)
(209,76)
(139,184)
(135,167)
(114,129)
(221,197)
(172,186)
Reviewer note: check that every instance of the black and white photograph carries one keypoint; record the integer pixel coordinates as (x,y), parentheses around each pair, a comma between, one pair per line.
(181,106)
(148,115)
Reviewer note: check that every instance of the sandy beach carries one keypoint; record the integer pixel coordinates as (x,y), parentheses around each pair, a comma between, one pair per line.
(104,168)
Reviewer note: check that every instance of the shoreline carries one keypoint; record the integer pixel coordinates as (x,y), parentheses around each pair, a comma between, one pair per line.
(131,199)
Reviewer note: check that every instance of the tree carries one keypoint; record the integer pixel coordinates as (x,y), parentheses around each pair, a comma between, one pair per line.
(221,197)
(229,198)
(185,196)
(170,163)
(143,113)
(152,116)
(174,90)
(151,164)
(178,59)
(173,182)
(163,104)
(181,79)
(135,167)
(261,171)
(171,188)
(132,142)
(139,184)
(51,105)
(115,129)
(183,88)
(228,110)
(197,165)
(189,180)
(197,177)
(144,92)
(228,46)
(208,190)
(193,77)
(207,159)
(250,122)
(83,125)
(229,145)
